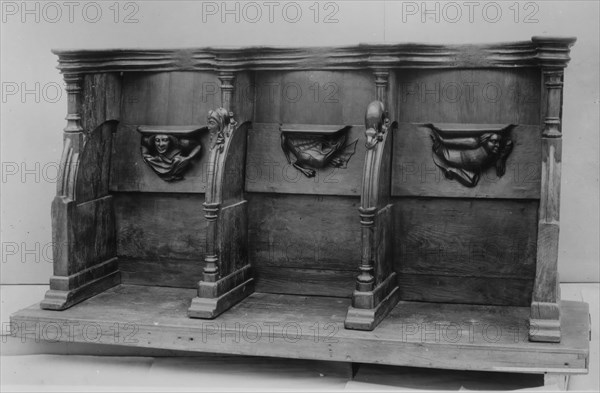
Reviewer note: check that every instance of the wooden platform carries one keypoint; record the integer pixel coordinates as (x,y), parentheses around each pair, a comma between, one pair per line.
(486,338)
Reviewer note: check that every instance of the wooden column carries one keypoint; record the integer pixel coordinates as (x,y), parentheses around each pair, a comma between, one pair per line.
(376,291)
(227,276)
(83,227)
(544,322)
(227,87)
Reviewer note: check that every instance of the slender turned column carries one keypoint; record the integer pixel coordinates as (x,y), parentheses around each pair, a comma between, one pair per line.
(227,87)
(73,88)
(381,86)
(65,186)
(366,280)
(211,269)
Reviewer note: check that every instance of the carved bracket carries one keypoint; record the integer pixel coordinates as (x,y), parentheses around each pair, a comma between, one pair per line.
(169,150)
(464,151)
(313,147)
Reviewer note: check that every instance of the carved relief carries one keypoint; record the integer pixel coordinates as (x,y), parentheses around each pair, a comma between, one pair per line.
(169,150)
(220,124)
(316,146)
(463,152)
(376,122)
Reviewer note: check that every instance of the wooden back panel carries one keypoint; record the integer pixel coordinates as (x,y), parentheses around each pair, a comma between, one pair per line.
(161,229)
(461,244)
(304,233)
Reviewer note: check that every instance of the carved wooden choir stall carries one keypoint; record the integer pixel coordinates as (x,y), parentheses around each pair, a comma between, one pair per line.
(392,204)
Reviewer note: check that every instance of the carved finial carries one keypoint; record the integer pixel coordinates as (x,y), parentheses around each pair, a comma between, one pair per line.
(376,123)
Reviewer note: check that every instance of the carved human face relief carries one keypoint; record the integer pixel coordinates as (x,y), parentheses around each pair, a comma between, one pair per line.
(493,144)
(162,143)
(213,125)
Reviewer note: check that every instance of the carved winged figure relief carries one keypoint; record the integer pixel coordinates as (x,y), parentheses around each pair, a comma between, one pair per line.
(169,150)
(316,147)
(463,154)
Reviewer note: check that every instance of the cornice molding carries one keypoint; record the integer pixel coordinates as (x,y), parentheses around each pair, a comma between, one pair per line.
(539,52)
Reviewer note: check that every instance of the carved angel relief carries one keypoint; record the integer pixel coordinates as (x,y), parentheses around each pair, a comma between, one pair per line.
(169,150)
(316,146)
(463,152)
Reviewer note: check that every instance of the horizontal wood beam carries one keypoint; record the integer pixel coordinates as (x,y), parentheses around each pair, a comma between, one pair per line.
(540,51)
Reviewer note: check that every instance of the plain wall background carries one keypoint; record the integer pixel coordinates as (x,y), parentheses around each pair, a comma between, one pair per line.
(31,139)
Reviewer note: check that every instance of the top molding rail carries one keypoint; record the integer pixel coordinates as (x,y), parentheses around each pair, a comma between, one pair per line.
(550,52)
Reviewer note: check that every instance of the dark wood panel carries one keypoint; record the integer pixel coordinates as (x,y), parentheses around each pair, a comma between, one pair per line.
(169,98)
(313,97)
(94,163)
(233,172)
(384,244)
(304,231)
(416,174)
(93,236)
(232,241)
(465,290)
(160,226)
(469,96)
(469,238)
(244,96)
(313,282)
(178,273)
(101,101)
(267,169)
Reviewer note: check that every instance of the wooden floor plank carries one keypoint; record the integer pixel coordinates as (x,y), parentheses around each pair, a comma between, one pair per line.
(414,334)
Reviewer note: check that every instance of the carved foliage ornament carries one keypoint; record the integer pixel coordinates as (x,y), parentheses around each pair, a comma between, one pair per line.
(313,147)
(464,151)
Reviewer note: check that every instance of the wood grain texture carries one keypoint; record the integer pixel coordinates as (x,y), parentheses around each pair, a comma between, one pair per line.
(232,238)
(414,334)
(160,226)
(93,168)
(177,98)
(94,235)
(267,169)
(312,282)
(304,231)
(231,181)
(384,244)
(484,96)
(552,51)
(244,99)
(465,290)
(101,99)
(416,174)
(313,97)
(466,238)
(164,272)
